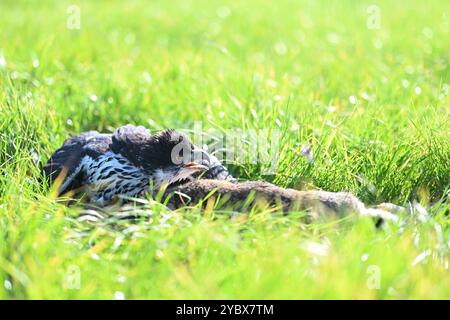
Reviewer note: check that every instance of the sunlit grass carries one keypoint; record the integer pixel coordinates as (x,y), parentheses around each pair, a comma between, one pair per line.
(373,103)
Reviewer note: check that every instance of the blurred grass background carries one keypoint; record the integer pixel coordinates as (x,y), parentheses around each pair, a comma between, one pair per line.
(373,102)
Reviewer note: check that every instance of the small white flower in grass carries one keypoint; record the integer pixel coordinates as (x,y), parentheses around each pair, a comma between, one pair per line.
(118,295)
(35,63)
(93,97)
(2,61)
(35,157)
(331,108)
(405,83)
(280,48)
(147,77)
(333,38)
(315,261)
(8,285)
(330,123)
(277,98)
(418,90)
(121,278)
(378,44)
(392,291)
(95,256)
(49,81)
(365,96)
(364,257)
(353,100)
(316,248)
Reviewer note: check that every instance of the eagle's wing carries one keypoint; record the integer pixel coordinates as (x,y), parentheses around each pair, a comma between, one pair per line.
(131,142)
(67,161)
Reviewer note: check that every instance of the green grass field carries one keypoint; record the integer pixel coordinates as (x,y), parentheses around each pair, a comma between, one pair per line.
(371,95)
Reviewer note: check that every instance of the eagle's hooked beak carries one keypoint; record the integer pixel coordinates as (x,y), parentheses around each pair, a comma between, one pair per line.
(187,172)
(195,166)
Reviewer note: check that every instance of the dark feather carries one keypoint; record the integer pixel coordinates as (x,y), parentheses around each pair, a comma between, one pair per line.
(146,150)
(130,141)
(68,158)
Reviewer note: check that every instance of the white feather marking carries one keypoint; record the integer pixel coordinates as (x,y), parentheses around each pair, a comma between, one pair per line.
(103,181)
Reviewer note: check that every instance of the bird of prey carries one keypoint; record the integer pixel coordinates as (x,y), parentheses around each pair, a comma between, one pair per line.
(128,162)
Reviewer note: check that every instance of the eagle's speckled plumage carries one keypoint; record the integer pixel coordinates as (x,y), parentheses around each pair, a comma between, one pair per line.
(128,162)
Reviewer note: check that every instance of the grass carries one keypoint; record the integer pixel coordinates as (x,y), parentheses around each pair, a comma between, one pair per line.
(373,102)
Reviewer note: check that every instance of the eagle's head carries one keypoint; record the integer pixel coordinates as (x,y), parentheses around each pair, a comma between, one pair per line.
(173,160)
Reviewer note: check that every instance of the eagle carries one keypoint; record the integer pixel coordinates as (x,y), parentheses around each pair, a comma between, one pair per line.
(128,163)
